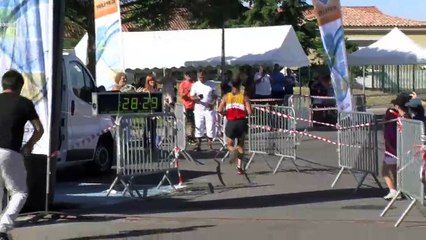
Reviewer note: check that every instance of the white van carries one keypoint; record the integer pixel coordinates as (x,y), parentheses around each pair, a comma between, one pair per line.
(83,136)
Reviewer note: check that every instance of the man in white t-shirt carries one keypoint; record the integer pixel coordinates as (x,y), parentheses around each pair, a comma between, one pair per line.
(203,92)
(263,84)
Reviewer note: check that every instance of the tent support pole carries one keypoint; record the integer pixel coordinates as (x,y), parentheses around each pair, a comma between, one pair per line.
(414,77)
(222,74)
(397,79)
(363,80)
(300,80)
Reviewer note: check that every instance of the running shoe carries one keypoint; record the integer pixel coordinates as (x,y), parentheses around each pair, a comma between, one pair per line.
(391,195)
(240,171)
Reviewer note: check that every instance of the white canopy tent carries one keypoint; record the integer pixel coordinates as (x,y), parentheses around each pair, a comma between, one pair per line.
(196,48)
(393,49)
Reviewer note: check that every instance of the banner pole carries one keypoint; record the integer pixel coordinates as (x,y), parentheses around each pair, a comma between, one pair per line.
(329,17)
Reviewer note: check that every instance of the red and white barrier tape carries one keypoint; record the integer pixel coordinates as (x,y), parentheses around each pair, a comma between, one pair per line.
(323,109)
(398,120)
(318,97)
(267,100)
(268,128)
(296,118)
(88,116)
(84,140)
(416,155)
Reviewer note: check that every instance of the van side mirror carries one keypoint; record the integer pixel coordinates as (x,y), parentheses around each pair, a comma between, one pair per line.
(101,89)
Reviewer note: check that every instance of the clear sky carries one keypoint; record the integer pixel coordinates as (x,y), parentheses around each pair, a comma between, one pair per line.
(411,9)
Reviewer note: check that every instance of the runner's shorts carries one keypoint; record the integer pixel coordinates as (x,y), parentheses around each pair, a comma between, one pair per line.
(236,128)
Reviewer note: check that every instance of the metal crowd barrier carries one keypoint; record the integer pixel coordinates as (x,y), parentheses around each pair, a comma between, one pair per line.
(410,158)
(272,132)
(357,145)
(181,131)
(220,136)
(303,109)
(145,144)
(306,106)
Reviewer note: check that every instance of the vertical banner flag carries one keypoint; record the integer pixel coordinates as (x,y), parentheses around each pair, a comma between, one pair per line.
(109,55)
(25,45)
(329,16)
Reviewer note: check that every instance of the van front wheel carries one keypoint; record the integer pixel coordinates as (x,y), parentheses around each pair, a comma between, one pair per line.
(102,160)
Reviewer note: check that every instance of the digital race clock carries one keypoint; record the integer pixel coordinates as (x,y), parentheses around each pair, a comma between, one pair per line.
(125,103)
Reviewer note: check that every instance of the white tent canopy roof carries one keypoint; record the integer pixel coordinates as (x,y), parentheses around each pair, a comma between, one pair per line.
(393,49)
(196,48)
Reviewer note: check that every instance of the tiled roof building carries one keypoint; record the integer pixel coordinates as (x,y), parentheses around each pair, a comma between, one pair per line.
(366,24)
(370,16)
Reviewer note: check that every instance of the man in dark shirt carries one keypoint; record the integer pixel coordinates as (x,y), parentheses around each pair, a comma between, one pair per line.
(289,82)
(225,85)
(277,82)
(15,112)
(416,109)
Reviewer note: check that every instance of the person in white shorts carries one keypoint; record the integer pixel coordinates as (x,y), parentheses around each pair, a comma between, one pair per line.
(15,112)
(203,92)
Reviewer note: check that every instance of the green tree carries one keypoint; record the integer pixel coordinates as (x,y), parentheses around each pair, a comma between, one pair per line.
(143,14)
(212,13)
(290,12)
(283,12)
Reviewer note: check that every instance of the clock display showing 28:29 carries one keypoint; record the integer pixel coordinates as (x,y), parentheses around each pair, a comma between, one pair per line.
(140,103)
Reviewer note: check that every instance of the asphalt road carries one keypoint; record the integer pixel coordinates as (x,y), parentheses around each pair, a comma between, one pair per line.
(288,205)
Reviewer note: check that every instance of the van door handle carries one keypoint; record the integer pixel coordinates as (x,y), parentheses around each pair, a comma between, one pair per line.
(72,107)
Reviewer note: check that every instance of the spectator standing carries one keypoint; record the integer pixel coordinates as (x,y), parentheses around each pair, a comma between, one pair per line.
(248,83)
(289,82)
(226,85)
(120,81)
(389,162)
(277,83)
(151,87)
(203,92)
(15,112)
(184,92)
(169,89)
(263,84)
(416,110)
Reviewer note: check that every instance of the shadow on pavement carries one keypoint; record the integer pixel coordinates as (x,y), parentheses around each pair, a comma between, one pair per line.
(82,175)
(305,170)
(139,233)
(57,217)
(366,207)
(167,205)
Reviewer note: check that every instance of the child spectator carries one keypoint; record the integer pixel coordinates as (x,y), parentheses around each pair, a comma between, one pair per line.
(390,162)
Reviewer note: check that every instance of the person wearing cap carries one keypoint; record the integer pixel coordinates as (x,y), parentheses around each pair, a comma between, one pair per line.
(416,109)
(399,110)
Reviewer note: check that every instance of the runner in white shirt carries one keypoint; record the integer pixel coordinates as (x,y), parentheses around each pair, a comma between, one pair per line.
(203,92)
